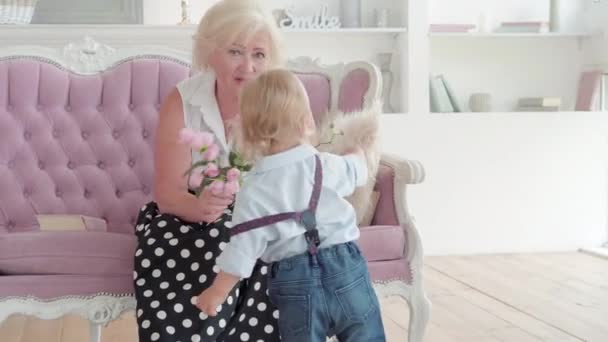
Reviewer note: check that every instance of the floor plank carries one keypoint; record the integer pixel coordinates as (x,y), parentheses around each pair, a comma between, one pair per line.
(529,294)
(37,330)
(13,328)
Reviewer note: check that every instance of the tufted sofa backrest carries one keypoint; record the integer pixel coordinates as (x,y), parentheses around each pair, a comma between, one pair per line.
(72,144)
(75,144)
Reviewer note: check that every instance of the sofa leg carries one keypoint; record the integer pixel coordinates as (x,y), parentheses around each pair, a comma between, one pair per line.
(417,301)
(420,307)
(95,332)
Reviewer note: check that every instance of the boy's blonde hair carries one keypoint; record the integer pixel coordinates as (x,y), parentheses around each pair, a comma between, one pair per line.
(230,20)
(274,109)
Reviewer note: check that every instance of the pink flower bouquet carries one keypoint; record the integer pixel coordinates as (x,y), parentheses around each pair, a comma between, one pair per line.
(207,172)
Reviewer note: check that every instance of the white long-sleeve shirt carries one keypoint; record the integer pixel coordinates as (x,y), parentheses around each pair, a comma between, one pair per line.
(283,182)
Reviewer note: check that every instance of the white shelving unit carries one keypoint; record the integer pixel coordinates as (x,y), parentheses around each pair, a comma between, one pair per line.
(513,65)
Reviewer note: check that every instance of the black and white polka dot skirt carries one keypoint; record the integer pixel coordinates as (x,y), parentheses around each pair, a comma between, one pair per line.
(174,263)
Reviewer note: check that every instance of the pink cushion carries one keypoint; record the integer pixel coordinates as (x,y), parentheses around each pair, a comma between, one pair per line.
(386,213)
(50,286)
(353,89)
(383,271)
(319,93)
(382,242)
(91,253)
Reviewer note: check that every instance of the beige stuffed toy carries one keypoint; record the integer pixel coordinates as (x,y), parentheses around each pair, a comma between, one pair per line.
(340,132)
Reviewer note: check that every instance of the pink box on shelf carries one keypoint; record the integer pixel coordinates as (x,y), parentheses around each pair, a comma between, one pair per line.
(451,27)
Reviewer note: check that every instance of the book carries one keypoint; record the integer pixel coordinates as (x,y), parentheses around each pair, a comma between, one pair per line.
(451,95)
(59,222)
(523,23)
(519,29)
(538,109)
(540,102)
(439,96)
(451,28)
(588,90)
(522,27)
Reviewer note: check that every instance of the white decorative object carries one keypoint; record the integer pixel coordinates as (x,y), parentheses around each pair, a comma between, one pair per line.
(384,61)
(554,10)
(350,13)
(87,55)
(82,58)
(566,15)
(321,20)
(185,13)
(381,16)
(98,309)
(480,102)
(17,11)
(485,22)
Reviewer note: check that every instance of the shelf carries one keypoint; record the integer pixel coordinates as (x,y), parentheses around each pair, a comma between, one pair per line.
(358,30)
(513,35)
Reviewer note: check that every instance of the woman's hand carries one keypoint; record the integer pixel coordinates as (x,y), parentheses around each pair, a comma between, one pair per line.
(213,205)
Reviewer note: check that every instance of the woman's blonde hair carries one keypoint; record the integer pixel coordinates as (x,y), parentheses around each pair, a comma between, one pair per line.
(274,109)
(229,20)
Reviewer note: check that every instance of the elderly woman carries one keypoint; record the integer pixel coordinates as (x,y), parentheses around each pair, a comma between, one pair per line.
(179,234)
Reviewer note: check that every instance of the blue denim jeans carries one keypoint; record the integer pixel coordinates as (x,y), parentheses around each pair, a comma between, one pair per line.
(326,294)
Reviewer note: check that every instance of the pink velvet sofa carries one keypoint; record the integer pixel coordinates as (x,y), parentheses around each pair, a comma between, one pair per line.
(76,137)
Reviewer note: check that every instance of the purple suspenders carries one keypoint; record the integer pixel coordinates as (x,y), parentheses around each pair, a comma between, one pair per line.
(306,218)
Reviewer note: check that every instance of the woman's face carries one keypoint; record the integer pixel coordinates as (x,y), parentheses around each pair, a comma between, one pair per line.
(241,61)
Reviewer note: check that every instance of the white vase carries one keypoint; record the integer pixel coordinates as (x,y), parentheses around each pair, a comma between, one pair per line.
(350,13)
(554,8)
(566,15)
(480,102)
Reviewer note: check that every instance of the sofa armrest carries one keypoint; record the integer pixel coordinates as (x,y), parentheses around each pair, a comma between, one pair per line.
(394,174)
(408,171)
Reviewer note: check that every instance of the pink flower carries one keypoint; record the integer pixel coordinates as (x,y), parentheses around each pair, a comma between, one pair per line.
(186,136)
(213,151)
(233,174)
(196,178)
(196,140)
(217,187)
(211,170)
(231,188)
(202,140)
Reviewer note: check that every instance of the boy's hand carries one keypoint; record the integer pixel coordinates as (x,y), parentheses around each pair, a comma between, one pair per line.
(355,150)
(209,301)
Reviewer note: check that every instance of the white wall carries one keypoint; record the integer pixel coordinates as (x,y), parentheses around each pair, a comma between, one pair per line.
(505,182)
(164,12)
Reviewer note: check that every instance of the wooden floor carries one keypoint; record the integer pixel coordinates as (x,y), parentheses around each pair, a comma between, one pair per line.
(519,298)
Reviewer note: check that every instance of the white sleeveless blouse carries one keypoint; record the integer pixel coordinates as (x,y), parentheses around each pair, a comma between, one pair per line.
(201,111)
